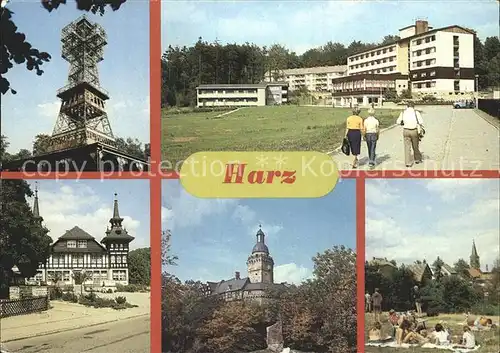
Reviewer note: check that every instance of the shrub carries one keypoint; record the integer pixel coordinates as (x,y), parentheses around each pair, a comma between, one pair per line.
(131,288)
(55,293)
(90,296)
(432,312)
(121,300)
(486,309)
(109,290)
(429,98)
(70,297)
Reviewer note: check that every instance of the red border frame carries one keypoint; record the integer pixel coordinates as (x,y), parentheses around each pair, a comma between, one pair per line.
(155,175)
(360,262)
(155,182)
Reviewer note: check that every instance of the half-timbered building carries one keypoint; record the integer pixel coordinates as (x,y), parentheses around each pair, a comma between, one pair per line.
(77,255)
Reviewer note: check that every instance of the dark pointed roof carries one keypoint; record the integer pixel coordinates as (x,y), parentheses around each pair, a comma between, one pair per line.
(474,250)
(116,232)
(36,208)
(76,233)
(260,246)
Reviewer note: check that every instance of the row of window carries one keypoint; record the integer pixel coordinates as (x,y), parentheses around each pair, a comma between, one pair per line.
(119,246)
(424,74)
(78,260)
(119,275)
(378,71)
(425,84)
(424,51)
(373,53)
(424,63)
(424,40)
(202,100)
(374,62)
(76,244)
(227,91)
(83,244)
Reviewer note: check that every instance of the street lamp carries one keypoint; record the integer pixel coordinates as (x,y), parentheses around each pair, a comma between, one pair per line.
(476,90)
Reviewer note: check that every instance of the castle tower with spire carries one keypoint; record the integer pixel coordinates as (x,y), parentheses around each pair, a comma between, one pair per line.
(260,264)
(117,242)
(474,257)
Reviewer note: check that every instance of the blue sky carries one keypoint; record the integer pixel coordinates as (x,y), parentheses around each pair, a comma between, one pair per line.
(124,72)
(411,219)
(301,25)
(88,204)
(214,237)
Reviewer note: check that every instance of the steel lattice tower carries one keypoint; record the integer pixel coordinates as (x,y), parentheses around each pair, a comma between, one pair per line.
(82,117)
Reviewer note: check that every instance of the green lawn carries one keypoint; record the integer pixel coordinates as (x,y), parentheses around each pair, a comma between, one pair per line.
(270,128)
(489,340)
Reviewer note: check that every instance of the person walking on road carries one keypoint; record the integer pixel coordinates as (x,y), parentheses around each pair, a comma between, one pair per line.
(412,122)
(353,132)
(377,304)
(371,133)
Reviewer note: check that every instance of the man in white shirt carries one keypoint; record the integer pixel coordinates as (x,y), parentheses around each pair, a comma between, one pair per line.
(410,119)
(371,132)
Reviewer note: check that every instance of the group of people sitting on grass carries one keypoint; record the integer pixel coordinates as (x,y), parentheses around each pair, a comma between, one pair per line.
(407,329)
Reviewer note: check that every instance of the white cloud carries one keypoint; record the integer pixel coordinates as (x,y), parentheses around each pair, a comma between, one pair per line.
(49,110)
(450,189)
(78,205)
(389,234)
(184,13)
(380,192)
(120,107)
(186,210)
(244,214)
(248,218)
(291,273)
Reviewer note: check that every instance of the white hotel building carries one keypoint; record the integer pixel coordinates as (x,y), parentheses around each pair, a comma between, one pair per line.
(315,79)
(242,95)
(437,62)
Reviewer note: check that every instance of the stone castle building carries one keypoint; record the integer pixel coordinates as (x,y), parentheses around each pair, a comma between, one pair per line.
(259,286)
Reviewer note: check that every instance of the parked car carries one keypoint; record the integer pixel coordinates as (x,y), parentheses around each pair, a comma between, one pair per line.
(464,104)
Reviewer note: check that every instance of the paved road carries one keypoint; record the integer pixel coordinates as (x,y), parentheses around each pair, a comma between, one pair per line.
(125,336)
(456,139)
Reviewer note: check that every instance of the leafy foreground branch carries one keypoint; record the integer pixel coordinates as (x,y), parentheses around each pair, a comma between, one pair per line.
(17,50)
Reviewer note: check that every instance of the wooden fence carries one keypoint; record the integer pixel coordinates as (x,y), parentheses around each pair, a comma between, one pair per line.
(13,307)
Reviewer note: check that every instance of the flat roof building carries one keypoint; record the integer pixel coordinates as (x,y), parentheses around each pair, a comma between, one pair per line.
(437,62)
(315,79)
(242,95)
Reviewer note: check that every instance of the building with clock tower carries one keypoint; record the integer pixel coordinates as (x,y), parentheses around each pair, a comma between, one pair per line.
(259,286)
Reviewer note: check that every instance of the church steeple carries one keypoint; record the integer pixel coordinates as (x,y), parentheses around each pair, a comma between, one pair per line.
(116,221)
(36,207)
(474,257)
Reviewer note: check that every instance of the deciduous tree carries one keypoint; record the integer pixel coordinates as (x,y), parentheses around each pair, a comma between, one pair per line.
(139,266)
(23,241)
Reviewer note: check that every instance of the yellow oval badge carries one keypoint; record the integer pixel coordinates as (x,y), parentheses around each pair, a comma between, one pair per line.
(259,174)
